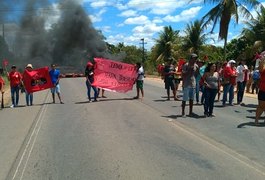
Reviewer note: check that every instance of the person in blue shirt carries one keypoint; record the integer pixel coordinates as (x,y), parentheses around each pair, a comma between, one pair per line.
(55,77)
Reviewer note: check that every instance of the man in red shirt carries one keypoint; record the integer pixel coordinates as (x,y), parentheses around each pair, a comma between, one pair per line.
(15,79)
(230,75)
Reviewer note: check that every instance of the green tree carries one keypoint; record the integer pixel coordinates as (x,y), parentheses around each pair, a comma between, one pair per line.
(224,11)
(168,38)
(254,33)
(194,38)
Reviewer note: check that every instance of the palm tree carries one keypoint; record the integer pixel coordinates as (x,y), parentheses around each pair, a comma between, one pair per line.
(255,30)
(194,38)
(165,44)
(224,11)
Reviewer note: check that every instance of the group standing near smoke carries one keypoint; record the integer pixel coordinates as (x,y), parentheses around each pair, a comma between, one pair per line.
(195,76)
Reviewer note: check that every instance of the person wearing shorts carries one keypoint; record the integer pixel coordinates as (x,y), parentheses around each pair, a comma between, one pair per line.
(189,72)
(55,77)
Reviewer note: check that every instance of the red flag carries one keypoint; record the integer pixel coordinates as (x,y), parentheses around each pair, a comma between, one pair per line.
(37,80)
(113,75)
(181,62)
(5,62)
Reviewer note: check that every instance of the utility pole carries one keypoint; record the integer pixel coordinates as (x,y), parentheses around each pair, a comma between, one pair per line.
(143,43)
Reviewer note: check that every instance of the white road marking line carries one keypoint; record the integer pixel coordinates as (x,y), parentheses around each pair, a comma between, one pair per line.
(39,121)
(33,143)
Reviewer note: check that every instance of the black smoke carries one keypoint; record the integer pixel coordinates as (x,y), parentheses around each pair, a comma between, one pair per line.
(71,41)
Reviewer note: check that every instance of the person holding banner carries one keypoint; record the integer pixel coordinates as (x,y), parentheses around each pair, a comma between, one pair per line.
(139,81)
(15,79)
(55,77)
(89,73)
(29,96)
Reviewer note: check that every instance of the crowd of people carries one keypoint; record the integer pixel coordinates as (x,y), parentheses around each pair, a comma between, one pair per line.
(17,81)
(203,82)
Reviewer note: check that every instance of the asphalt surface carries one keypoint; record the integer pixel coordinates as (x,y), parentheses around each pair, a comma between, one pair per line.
(122,138)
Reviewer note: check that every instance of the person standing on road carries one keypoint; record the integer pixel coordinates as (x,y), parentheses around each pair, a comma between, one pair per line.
(261,94)
(29,96)
(139,81)
(189,72)
(230,75)
(242,78)
(211,83)
(55,77)
(15,79)
(89,73)
(169,72)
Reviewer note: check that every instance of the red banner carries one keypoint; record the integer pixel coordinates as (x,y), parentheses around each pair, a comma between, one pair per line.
(113,75)
(37,80)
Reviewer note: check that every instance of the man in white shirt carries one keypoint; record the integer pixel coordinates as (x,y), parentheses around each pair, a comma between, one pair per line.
(242,78)
(139,81)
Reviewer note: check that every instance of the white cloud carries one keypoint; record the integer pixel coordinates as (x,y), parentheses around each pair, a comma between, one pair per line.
(157,20)
(98,16)
(147,30)
(100,3)
(120,25)
(158,6)
(106,29)
(121,7)
(137,20)
(131,40)
(185,15)
(128,13)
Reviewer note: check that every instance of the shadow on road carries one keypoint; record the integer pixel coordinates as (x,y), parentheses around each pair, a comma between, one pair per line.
(195,116)
(249,105)
(250,124)
(104,100)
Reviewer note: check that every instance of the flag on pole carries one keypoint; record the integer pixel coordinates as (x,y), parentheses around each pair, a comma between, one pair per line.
(5,62)
(37,80)
(114,76)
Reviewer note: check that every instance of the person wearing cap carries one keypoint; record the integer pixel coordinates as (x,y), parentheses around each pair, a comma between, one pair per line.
(229,75)
(29,96)
(15,79)
(89,73)
(242,78)
(190,70)
(55,78)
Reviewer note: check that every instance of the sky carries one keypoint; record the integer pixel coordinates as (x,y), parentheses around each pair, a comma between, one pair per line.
(129,21)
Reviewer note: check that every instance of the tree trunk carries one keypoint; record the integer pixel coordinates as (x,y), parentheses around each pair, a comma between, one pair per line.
(225,44)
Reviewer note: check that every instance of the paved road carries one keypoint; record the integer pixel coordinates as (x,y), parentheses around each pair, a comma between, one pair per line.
(122,138)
